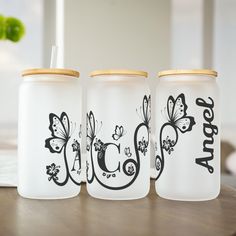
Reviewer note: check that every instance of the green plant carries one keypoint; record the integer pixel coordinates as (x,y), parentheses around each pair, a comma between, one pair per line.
(11,29)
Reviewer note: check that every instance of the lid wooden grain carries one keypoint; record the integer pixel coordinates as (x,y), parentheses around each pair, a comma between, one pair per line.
(51,71)
(188,72)
(119,72)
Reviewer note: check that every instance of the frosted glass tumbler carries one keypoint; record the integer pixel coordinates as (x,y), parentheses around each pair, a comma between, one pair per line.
(188,135)
(118,127)
(49,139)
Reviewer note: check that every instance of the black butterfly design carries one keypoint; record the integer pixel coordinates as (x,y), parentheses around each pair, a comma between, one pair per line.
(177,116)
(119,132)
(144,111)
(92,127)
(127,152)
(60,131)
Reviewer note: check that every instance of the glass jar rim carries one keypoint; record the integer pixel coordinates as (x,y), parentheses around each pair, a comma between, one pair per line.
(188,72)
(51,71)
(119,72)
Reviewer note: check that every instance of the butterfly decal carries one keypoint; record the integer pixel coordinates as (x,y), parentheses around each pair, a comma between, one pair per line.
(144,111)
(119,132)
(60,128)
(127,152)
(93,127)
(177,116)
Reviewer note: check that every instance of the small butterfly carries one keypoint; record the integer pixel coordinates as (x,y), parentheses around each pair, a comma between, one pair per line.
(127,152)
(176,112)
(60,130)
(119,132)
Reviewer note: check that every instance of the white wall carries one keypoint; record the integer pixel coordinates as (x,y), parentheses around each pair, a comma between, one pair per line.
(187,34)
(225,57)
(203,35)
(117,34)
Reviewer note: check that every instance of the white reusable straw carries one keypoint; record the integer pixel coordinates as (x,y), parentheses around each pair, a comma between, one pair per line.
(54,52)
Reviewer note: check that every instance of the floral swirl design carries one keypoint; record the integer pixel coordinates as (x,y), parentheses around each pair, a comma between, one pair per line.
(131,169)
(179,121)
(130,166)
(52,171)
(143,144)
(99,145)
(61,130)
(168,145)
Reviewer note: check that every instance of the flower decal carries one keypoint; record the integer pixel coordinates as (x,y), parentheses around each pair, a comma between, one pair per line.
(168,144)
(98,145)
(142,146)
(158,164)
(130,169)
(52,170)
(75,146)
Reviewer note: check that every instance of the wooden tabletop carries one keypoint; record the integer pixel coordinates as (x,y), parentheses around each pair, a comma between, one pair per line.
(84,215)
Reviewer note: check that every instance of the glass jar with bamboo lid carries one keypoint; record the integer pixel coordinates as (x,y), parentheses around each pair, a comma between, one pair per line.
(187,135)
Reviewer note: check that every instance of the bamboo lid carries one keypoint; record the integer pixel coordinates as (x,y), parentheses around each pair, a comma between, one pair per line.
(188,72)
(53,71)
(119,72)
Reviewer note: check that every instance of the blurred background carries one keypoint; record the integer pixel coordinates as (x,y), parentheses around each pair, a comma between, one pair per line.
(150,35)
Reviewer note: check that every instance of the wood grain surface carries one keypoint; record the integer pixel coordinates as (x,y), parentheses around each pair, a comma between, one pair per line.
(84,215)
